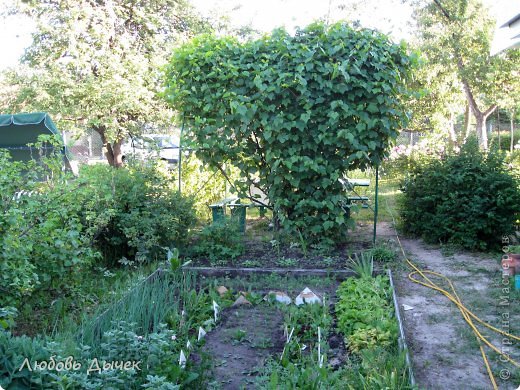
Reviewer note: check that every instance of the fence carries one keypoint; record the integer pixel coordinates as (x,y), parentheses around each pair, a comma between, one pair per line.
(408,138)
(86,148)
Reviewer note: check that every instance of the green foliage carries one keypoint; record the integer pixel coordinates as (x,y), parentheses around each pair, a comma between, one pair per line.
(505,139)
(147,304)
(365,313)
(7,317)
(287,262)
(127,330)
(306,319)
(13,351)
(106,57)
(455,38)
(155,352)
(205,185)
(221,241)
(305,375)
(50,238)
(293,113)
(134,212)
(379,368)
(405,158)
(467,199)
(298,367)
(513,161)
(43,241)
(362,265)
(366,338)
(383,253)
(376,364)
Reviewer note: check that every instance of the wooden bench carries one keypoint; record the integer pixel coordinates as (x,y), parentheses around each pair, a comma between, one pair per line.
(218,210)
(349,185)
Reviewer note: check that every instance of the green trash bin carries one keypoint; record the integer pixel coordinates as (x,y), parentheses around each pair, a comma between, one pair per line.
(238,211)
(217,212)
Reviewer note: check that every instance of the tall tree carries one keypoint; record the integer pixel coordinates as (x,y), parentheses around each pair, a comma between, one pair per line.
(96,64)
(456,34)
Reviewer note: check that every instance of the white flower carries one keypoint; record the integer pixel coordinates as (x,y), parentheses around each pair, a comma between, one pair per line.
(174,337)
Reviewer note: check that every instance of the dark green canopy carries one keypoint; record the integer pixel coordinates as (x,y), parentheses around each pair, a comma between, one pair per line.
(16,131)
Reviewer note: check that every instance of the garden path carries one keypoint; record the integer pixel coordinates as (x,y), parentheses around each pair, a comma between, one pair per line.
(444,351)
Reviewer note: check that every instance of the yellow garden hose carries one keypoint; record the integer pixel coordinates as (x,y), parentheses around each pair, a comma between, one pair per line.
(466,313)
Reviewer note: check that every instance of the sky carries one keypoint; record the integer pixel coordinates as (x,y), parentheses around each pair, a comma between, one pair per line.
(389,16)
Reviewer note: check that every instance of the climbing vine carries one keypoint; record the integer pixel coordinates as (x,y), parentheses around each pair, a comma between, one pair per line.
(293,113)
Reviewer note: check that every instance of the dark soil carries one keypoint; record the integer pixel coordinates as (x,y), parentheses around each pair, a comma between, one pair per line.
(261,253)
(245,338)
(248,335)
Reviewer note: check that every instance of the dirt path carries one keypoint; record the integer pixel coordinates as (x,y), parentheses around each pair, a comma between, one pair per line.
(239,346)
(444,352)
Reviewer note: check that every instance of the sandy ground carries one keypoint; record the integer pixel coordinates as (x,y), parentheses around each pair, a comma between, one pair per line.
(444,352)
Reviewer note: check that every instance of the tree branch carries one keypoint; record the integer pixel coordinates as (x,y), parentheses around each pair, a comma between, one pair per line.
(442,9)
(254,200)
(471,99)
(490,110)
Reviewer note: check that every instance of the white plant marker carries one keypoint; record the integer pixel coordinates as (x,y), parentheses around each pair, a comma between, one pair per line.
(182,360)
(303,348)
(281,356)
(188,344)
(290,336)
(324,303)
(320,360)
(202,333)
(215,310)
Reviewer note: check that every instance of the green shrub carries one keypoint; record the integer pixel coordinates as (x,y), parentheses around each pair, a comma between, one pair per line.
(48,239)
(291,117)
(221,241)
(467,199)
(44,245)
(383,254)
(134,212)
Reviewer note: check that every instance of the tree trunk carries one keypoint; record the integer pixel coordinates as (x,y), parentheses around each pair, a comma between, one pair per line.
(480,116)
(467,122)
(453,136)
(498,128)
(512,132)
(481,130)
(117,154)
(113,151)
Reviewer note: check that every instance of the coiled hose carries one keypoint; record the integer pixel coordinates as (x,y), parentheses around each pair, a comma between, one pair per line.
(467,314)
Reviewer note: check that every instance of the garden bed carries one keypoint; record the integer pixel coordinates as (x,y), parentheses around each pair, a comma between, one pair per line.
(263,248)
(253,345)
(248,352)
